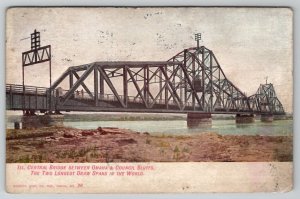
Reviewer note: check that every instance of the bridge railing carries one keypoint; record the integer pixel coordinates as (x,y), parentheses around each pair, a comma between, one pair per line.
(83,95)
(15,88)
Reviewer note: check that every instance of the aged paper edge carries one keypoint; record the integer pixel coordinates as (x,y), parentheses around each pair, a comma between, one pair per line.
(164,178)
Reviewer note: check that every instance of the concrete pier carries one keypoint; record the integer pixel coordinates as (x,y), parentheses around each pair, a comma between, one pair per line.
(244,118)
(38,121)
(267,118)
(17,125)
(195,120)
(279,117)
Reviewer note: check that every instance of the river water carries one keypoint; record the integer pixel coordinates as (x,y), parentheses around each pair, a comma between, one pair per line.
(179,127)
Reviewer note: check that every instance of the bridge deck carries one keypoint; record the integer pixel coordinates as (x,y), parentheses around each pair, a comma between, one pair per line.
(37,98)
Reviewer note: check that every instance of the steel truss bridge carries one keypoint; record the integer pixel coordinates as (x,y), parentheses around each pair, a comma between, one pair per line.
(191,81)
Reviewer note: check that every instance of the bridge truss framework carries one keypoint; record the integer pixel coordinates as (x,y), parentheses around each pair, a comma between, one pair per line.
(191,81)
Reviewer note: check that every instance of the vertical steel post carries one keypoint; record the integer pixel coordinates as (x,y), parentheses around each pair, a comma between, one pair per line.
(96,85)
(146,84)
(185,78)
(11,96)
(160,84)
(194,92)
(36,98)
(50,89)
(173,79)
(145,87)
(211,81)
(23,82)
(29,103)
(71,79)
(180,87)
(166,90)
(203,80)
(101,86)
(219,80)
(125,86)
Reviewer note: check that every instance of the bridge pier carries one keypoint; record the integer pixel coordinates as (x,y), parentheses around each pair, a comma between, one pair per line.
(244,118)
(279,117)
(30,121)
(195,120)
(266,118)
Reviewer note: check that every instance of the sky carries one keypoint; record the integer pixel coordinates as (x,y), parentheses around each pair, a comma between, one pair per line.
(249,43)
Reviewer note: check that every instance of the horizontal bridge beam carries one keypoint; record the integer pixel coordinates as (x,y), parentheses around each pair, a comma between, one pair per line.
(129,64)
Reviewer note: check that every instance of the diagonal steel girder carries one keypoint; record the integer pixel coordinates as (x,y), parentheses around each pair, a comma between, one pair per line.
(110,85)
(60,79)
(78,82)
(83,84)
(157,96)
(191,85)
(137,87)
(172,91)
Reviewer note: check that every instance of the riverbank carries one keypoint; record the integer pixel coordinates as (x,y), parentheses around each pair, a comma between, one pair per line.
(60,144)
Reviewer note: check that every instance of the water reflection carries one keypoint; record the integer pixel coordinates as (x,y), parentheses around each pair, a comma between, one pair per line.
(243,125)
(199,125)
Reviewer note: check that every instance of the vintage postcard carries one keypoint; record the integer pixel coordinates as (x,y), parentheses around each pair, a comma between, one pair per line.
(149,100)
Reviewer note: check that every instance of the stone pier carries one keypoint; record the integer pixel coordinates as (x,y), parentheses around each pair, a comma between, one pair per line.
(266,118)
(38,121)
(244,118)
(195,120)
(279,117)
